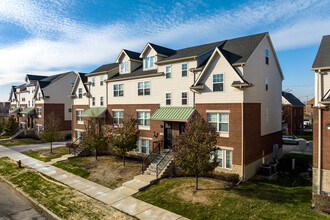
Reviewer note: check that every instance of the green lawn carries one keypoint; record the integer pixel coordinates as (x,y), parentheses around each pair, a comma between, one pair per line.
(62,200)
(71,167)
(308,136)
(286,197)
(45,155)
(20,141)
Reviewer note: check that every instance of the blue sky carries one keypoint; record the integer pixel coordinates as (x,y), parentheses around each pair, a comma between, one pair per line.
(47,37)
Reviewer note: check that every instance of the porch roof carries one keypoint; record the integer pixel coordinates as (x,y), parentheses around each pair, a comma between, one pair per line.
(27,110)
(173,114)
(14,110)
(94,112)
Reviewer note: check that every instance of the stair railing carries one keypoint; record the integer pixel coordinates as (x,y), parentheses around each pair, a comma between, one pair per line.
(155,151)
(160,169)
(73,144)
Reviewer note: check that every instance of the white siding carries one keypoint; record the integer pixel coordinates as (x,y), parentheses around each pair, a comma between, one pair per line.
(84,99)
(58,93)
(41,101)
(326,83)
(159,86)
(97,91)
(255,72)
(229,93)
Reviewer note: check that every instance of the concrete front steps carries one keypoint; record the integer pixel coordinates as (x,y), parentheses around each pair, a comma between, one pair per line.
(64,157)
(140,182)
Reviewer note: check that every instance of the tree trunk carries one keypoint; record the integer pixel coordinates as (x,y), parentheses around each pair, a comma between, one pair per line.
(124,159)
(196,181)
(95,154)
(51,147)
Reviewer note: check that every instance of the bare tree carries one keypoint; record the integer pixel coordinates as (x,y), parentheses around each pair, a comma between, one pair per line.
(51,130)
(11,125)
(123,138)
(195,148)
(93,137)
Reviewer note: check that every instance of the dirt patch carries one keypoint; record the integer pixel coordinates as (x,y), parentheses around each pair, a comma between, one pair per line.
(188,193)
(108,170)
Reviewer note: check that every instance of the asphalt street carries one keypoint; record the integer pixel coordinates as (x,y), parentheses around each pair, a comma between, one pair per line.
(14,206)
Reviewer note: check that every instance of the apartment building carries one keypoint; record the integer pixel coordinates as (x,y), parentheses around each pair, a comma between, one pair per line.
(233,84)
(32,101)
(321,120)
(292,114)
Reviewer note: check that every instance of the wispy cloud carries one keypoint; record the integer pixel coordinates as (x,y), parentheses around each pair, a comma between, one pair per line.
(60,42)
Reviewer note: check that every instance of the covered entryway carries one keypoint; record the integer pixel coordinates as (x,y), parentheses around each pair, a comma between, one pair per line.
(168,135)
(29,112)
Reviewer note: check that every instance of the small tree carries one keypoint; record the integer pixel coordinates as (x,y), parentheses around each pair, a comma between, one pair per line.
(124,137)
(51,130)
(2,124)
(195,148)
(11,125)
(93,137)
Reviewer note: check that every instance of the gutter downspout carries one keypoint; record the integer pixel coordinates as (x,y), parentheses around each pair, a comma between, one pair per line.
(194,101)
(319,134)
(243,170)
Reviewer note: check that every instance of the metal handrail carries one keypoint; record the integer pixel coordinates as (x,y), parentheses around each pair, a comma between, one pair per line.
(72,144)
(158,172)
(154,150)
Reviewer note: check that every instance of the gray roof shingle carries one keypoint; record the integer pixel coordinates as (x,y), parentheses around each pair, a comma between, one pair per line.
(292,99)
(137,72)
(323,55)
(133,55)
(105,67)
(162,50)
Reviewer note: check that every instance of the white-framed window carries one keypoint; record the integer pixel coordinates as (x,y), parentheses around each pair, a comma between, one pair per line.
(23,97)
(69,110)
(32,103)
(93,101)
(266,83)
(39,128)
(118,118)
(267,56)
(224,158)
(101,81)
(101,101)
(39,112)
(80,119)
(118,90)
(149,62)
(39,96)
(168,98)
(29,103)
(168,72)
(143,119)
(217,82)
(80,93)
(79,134)
(184,69)
(220,121)
(72,81)
(144,146)
(184,98)
(144,88)
(124,67)
(93,81)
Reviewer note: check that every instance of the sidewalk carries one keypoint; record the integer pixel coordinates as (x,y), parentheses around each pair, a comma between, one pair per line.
(119,198)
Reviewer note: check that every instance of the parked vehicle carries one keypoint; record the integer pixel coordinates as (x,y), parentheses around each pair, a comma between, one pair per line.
(290,139)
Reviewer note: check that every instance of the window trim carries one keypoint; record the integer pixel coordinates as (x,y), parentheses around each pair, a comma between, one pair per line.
(118,90)
(113,117)
(93,101)
(185,98)
(147,63)
(80,95)
(266,83)
(139,146)
(170,72)
(267,56)
(126,67)
(223,79)
(101,81)
(167,98)
(39,115)
(101,100)
(184,70)
(144,118)
(224,158)
(144,88)
(93,82)
(81,121)
(218,112)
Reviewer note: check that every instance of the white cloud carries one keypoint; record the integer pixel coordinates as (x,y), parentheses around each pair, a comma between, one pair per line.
(61,43)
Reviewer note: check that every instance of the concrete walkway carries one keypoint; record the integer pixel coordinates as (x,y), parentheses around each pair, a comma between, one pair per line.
(36,147)
(119,198)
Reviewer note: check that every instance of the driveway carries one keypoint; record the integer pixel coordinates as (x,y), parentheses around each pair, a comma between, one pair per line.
(36,147)
(15,206)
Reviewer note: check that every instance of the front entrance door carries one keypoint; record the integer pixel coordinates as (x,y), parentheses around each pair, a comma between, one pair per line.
(168,135)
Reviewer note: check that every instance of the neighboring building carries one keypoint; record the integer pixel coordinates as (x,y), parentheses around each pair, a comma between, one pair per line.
(292,114)
(4,109)
(321,114)
(308,116)
(233,84)
(32,101)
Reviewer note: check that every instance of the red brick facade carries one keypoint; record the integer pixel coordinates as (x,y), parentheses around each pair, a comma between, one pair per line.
(325,138)
(294,117)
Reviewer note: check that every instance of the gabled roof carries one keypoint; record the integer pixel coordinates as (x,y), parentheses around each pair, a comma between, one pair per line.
(160,50)
(105,67)
(294,101)
(311,101)
(12,92)
(83,78)
(322,59)
(34,78)
(137,73)
(131,54)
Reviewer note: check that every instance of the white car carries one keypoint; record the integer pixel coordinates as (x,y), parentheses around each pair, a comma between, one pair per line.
(290,139)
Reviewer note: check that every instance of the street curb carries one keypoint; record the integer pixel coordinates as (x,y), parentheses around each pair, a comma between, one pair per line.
(42,209)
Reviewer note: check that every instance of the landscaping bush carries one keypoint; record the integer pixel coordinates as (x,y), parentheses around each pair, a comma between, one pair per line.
(231,177)
(322,203)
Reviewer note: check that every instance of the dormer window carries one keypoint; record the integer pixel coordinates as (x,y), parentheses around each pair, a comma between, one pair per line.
(149,62)
(124,68)
(39,96)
